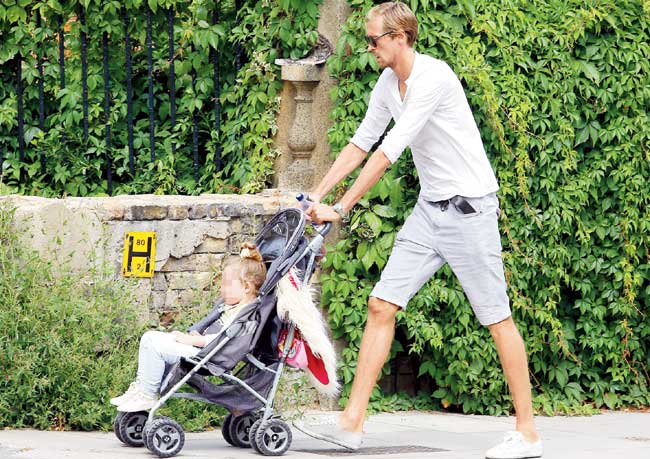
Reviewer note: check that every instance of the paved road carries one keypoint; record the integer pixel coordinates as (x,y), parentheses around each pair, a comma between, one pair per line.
(612,435)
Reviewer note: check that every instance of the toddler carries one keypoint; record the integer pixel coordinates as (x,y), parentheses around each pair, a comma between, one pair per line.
(240,282)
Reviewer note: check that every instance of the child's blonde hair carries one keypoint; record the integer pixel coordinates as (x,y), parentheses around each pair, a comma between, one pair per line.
(251,266)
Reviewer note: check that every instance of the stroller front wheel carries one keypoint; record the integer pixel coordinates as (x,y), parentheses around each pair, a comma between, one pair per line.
(164,437)
(273,437)
(252,434)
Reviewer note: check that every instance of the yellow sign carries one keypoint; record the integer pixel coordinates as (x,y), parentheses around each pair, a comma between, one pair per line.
(139,255)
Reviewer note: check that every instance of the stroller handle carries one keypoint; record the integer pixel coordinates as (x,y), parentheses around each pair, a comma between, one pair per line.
(324,228)
(304,205)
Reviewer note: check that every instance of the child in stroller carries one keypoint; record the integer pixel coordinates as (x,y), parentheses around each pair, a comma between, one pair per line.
(240,282)
(243,354)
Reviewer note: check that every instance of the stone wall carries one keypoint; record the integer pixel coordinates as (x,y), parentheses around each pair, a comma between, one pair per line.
(194,234)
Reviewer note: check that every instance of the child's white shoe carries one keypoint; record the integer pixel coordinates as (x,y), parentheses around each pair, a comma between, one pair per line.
(515,446)
(138,401)
(117,401)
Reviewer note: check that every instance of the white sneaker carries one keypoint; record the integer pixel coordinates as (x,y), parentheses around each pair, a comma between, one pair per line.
(328,429)
(515,446)
(138,401)
(117,401)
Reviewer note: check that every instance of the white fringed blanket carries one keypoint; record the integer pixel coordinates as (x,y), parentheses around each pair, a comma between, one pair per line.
(296,305)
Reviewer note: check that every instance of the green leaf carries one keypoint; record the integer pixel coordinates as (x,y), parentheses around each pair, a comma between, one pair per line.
(15,14)
(30,133)
(611,400)
(582,136)
(440,393)
(374,222)
(384,211)
(573,390)
(590,71)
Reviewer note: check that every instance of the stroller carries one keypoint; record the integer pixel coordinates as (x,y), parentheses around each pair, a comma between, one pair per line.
(244,355)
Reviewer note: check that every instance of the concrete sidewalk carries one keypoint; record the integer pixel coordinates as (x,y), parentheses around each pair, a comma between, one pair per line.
(400,435)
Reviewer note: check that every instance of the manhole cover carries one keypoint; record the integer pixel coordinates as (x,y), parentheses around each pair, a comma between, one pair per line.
(404,449)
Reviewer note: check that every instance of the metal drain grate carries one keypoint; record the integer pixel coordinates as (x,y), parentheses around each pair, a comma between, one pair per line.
(403,449)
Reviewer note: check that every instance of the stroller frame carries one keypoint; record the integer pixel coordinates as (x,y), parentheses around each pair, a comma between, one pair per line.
(308,250)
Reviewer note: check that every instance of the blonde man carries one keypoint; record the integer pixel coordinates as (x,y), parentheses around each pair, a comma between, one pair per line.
(454,220)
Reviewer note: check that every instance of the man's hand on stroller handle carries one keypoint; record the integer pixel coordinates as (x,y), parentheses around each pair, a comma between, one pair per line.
(317,213)
(321,213)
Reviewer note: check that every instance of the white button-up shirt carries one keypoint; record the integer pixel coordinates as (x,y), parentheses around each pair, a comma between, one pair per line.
(435,120)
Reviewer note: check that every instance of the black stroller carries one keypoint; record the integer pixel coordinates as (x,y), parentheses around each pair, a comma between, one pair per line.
(251,339)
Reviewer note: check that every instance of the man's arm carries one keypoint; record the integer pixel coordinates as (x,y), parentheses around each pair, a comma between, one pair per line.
(348,160)
(370,174)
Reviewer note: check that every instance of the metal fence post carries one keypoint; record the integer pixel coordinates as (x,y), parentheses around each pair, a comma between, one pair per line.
(41,96)
(107,114)
(129,91)
(21,114)
(172,74)
(217,91)
(84,70)
(61,53)
(195,125)
(150,101)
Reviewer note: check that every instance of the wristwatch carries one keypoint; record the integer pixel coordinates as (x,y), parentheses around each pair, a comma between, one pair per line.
(338,208)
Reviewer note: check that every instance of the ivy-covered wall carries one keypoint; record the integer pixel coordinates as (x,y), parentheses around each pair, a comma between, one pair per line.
(560,93)
(559,90)
(238,40)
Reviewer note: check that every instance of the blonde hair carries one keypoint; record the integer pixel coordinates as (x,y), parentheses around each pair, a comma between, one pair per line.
(397,17)
(250,264)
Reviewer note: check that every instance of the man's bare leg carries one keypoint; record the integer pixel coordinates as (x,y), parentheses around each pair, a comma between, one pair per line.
(512,354)
(375,346)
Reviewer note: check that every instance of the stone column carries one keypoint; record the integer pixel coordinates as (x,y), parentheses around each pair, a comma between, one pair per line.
(299,171)
(303,121)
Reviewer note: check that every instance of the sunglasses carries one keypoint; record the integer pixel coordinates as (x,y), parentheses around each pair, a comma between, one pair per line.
(372,41)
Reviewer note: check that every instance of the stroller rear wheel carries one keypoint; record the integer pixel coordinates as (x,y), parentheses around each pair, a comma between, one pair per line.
(225,429)
(128,427)
(164,437)
(239,430)
(116,426)
(273,437)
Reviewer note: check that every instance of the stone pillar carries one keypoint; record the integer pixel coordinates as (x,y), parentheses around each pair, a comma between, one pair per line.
(303,122)
(299,172)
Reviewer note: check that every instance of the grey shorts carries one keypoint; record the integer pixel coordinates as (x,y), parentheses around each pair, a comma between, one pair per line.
(470,243)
